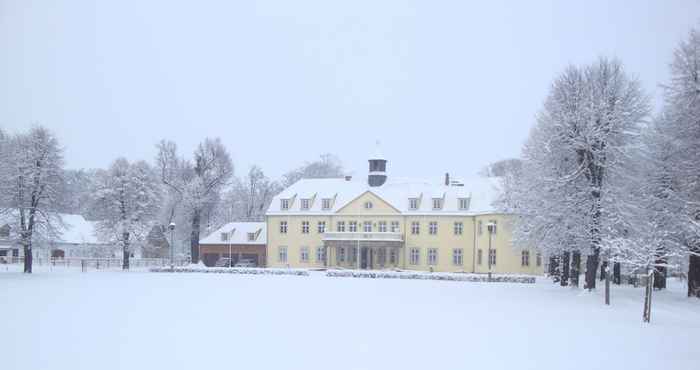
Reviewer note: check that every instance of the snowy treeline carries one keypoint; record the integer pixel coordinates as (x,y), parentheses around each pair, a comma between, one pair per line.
(134,202)
(603,179)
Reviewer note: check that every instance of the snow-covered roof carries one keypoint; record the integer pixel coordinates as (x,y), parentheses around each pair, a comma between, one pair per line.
(77,230)
(238,233)
(480,192)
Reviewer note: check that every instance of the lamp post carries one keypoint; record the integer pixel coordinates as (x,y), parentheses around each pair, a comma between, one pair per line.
(171,227)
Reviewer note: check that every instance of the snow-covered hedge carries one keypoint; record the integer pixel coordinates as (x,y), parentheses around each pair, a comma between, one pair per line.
(524,279)
(233,270)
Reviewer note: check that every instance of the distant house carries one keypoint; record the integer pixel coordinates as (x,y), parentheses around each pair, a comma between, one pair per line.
(78,239)
(243,242)
(8,248)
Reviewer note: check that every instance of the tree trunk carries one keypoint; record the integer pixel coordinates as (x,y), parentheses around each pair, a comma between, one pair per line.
(592,268)
(125,251)
(565,268)
(660,276)
(194,238)
(554,268)
(646,316)
(603,267)
(617,273)
(606,272)
(575,268)
(694,275)
(28,258)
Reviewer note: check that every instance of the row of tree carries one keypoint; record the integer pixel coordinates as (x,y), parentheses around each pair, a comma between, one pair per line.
(602,177)
(133,201)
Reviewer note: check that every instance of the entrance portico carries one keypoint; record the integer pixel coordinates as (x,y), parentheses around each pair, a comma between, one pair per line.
(363,250)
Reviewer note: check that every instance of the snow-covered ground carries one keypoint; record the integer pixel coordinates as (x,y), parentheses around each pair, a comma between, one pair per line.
(66,319)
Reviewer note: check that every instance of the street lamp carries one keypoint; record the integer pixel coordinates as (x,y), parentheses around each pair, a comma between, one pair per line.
(171,227)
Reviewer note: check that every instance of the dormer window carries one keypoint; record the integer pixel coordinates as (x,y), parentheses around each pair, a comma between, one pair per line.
(251,237)
(463,203)
(326,203)
(284,204)
(305,204)
(413,203)
(369,205)
(224,237)
(437,203)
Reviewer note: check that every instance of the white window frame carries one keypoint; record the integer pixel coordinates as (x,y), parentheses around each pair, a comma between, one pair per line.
(341,255)
(393,256)
(433,228)
(305,204)
(458,256)
(369,205)
(251,237)
(340,226)
(414,256)
(352,226)
(437,203)
(304,255)
(367,226)
(525,258)
(432,256)
(320,254)
(415,228)
(321,227)
(326,203)
(463,204)
(382,226)
(282,254)
(283,227)
(284,204)
(459,228)
(492,257)
(305,227)
(413,204)
(395,227)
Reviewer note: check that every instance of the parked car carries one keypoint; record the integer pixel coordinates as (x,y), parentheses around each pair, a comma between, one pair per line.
(245,263)
(223,262)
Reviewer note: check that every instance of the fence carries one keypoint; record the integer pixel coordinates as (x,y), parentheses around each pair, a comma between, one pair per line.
(97,263)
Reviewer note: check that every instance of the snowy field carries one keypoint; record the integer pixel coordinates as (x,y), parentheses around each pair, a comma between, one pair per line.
(65,319)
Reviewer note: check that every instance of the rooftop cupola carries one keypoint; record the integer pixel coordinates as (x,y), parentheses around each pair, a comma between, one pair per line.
(377,168)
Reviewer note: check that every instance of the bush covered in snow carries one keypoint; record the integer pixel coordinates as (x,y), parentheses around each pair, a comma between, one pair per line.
(525,279)
(235,270)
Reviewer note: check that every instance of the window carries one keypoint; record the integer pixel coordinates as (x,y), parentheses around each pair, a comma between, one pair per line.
(304,255)
(459,228)
(479,257)
(382,257)
(395,227)
(437,203)
(525,258)
(463,203)
(305,227)
(353,255)
(415,227)
(382,226)
(282,256)
(492,257)
(341,255)
(538,259)
(305,204)
(432,256)
(321,227)
(415,256)
(284,204)
(393,258)
(251,237)
(368,205)
(480,228)
(413,203)
(326,203)
(340,226)
(353,226)
(457,257)
(320,255)
(491,227)
(432,228)
(283,227)
(224,237)
(368,226)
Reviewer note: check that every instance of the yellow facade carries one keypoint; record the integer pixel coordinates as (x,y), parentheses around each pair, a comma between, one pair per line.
(436,251)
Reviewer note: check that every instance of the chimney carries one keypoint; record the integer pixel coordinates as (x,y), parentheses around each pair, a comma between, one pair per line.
(447,179)
(348,177)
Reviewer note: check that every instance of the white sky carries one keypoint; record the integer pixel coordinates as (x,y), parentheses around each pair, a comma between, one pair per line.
(446,86)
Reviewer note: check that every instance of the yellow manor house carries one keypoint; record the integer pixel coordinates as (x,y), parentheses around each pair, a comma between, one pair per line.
(383,223)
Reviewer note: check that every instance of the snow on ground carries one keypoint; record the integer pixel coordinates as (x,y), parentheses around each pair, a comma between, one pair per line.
(65,319)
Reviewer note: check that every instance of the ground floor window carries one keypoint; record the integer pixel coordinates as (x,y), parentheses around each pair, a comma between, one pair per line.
(525,258)
(304,254)
(457,257)
(320,254)
(479,256)
(353,255)
(282,254)
(538,259)
(392,256)
(382,257)
(432,256)
(492,257)
(415,256)
(341,255)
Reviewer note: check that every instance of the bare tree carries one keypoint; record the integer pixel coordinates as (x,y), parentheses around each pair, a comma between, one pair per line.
(196,184)
(327,166)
